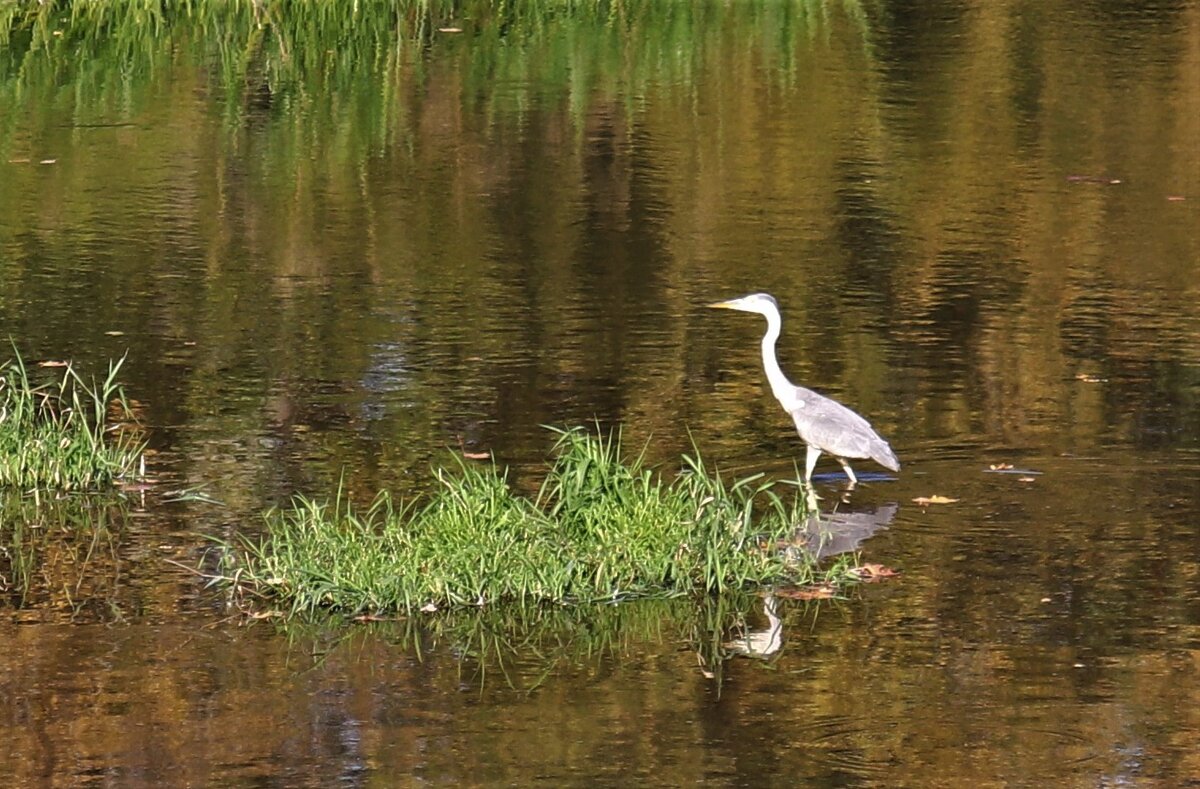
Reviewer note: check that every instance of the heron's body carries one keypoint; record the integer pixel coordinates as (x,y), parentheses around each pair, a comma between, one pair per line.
(824,424)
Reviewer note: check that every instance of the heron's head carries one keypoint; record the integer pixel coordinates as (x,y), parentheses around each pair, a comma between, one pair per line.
(762,303)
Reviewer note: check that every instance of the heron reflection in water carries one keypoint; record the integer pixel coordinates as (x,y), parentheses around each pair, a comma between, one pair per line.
(764,642)
(824,424)
(817,538)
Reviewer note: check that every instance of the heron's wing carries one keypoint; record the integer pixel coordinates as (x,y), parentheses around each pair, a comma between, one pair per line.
(835,429)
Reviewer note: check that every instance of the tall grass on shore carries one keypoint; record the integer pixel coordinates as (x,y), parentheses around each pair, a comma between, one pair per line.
(599,529)
(58,435)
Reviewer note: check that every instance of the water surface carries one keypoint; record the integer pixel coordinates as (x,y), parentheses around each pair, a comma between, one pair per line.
(358,246)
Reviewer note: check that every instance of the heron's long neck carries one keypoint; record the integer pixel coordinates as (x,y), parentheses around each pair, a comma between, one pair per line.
(779,382)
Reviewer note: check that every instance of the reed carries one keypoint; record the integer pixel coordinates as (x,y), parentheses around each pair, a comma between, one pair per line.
(600,528)
(58,435)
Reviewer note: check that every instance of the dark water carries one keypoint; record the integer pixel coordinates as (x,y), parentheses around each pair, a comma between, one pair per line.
(355,247)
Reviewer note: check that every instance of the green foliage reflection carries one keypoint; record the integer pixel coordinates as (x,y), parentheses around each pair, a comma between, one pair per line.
(369,55)
(58,554)
(521,646)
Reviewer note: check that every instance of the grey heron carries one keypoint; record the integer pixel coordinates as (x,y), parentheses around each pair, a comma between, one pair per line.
(824,424)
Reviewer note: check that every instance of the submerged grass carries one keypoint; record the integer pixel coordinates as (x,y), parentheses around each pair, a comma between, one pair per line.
(58,435)
(599,529)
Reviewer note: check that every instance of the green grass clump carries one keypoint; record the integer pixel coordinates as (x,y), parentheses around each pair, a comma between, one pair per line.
(599,529)
(58,435)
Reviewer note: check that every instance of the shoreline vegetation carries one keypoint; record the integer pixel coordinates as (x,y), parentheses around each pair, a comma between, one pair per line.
(600,529)
(68,434)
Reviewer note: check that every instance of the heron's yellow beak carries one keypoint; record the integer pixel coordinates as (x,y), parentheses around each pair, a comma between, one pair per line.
(731,304)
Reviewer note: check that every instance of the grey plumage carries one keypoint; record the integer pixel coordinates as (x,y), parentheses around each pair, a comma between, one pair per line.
(838,431)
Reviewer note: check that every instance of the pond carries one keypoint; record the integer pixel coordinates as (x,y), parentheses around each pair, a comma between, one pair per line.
(349,246)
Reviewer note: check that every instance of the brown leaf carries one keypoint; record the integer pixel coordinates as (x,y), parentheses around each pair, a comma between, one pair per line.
(1026,479)
(53,363)
(1176,198)
(1090,379)
(1000,466)
(815,592)
(925,501)
(477,455)
(872,573)
(265,614)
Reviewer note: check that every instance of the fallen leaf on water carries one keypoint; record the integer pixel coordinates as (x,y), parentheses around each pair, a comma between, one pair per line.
(1090,379)
(1008,468)
(477,455)
(53,363)
(265,614)
(872,572)
(115,333)
(925,501)
(818,592)
(449,29)
(48,161)
(1176,198)
(1026,479)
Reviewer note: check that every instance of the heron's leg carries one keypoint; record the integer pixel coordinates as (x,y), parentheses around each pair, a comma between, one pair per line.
(849,472)
(810,461)
(812,500)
